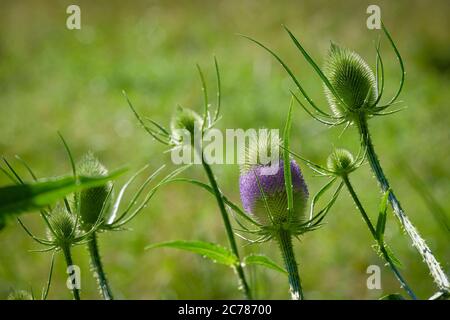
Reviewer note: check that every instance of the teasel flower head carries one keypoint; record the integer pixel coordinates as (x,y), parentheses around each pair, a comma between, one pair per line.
(262,186)
(353,81)
(256,184)
(185,122)
(185,119)
(63,227)
(92,203)
(341,161)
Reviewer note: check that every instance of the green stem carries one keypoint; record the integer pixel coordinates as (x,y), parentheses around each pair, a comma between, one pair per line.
(285,242)
(97,268)
(69,262)
(418,242)
(381,244)
(232,241)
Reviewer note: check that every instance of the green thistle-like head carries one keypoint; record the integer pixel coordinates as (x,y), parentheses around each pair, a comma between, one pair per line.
(63,225)
(341,162)
(353,81)
(91,201)
(185,119)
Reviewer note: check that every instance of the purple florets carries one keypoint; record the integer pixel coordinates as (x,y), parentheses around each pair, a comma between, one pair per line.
(275,192)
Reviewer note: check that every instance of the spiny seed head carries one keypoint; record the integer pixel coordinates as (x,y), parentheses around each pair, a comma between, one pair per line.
(91,201)
(252,183)
(20,295)
(341,161)
(185,119)
(263,191)
(353,81)
(63,224)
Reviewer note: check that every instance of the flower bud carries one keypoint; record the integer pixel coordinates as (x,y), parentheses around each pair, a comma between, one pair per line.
(341,161)
(185,119)
(91,201)
(353,81)
(63,225)
(269,178)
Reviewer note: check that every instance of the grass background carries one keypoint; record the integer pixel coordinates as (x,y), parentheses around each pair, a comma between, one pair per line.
(54,79)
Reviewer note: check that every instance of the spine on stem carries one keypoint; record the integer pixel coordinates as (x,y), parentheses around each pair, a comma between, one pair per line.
(97,268)
(381,245)
(418,242)
(229,230)
(285,242)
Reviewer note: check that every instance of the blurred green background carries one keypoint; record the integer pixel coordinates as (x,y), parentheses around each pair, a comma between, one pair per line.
(52,78)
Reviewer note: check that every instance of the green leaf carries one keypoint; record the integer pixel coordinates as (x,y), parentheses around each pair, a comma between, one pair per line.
(16,199)
(392,296)
(262,260)
(212,251)
(381,222)
(287,162)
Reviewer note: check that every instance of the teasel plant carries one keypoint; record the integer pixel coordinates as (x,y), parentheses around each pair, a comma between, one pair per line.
(256,226)
(63,226)
(354,94)
(339,165)
(275,196)
(98,206)
(77,220)
(187,129)
(100,211)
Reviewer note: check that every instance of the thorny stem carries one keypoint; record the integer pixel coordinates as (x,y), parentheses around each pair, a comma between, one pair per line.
(97,268)
(284,239)
(418,242)
(69,263)
(381,244)
(231,239)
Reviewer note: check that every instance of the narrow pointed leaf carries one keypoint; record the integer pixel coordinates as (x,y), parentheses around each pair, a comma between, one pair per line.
(212,251)
(287,163)
(262,260)
(382,212)
(35,195)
